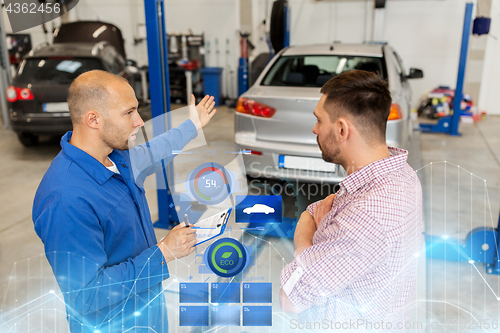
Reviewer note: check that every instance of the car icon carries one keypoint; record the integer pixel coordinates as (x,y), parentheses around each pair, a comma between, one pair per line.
(258,208)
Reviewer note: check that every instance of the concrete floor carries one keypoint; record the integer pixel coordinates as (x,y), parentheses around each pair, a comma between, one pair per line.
(461,192)
(447,292)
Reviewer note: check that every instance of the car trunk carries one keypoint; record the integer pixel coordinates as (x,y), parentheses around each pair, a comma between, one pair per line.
(90,32)
(49,79)
(293,121)
(48,98)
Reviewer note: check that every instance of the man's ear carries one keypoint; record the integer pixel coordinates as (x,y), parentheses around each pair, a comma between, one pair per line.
(343,129)
(93,119)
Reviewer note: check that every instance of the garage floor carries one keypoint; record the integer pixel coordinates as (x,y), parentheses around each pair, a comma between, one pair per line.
(461,194)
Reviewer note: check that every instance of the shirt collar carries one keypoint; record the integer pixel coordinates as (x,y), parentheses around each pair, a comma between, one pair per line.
(89,164)
(376,169)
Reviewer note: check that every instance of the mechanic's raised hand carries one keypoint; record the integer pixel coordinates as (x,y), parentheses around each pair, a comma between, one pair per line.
(178,243)
(201,114)
(322,209)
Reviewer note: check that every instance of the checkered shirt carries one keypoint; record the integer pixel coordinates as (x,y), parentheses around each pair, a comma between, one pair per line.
(363,261)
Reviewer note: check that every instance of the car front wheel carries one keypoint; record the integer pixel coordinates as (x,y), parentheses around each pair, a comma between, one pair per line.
(28,139)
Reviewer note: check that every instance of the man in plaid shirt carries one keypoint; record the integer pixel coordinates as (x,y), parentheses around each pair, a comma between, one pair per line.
(355,251)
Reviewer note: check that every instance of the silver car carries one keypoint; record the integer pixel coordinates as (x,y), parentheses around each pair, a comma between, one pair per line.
(274,118)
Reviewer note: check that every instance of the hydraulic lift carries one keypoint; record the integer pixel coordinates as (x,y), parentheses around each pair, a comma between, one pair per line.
(160,100)
(449,124)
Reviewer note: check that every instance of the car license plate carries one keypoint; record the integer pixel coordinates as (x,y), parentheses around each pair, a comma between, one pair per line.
(306,163)
(55,107)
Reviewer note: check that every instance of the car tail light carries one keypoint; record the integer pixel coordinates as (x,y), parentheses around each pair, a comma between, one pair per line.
(254,108)
(395,112)
(24,94)
(14,93)
(11,94)
(255,152)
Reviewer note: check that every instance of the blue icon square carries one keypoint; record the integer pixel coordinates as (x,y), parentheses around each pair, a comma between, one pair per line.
(225,315)
(193,316)
(203,269)
(257,316)
(225,293)
(193,292)
(259,209)
(257,293)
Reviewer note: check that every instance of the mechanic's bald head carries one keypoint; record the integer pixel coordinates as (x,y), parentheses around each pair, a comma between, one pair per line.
(90,91)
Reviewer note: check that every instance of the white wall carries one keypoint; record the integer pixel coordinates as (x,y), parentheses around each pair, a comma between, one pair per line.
(488,98)
(427,35)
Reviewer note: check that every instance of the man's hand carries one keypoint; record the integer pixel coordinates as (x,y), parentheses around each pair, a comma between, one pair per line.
(304,232)
(201,114)
(178,243)
(285,303)
(323,208)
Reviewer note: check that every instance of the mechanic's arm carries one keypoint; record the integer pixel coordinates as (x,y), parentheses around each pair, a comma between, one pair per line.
(324,269)
(147,158)
(74,245)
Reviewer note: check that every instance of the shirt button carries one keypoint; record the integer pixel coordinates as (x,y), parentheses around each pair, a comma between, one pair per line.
(165,278)
(123,165)
(116,175)
(163,263)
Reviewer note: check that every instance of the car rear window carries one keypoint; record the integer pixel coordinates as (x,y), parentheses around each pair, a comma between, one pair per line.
(55,69)
(316,70)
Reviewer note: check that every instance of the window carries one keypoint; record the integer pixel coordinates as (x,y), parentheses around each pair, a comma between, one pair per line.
(55,69)
(316,70)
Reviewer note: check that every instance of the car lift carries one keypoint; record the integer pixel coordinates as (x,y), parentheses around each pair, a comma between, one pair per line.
(5,76)
(449,124)
(160,97)
(481,245)
(159,86)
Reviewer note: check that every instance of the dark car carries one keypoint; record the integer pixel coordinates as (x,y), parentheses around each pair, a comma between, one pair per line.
(37,97)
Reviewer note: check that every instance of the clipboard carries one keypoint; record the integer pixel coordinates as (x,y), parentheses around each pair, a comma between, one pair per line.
(212,226)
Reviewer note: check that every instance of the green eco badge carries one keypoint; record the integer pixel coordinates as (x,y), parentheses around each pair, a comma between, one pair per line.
(226,257)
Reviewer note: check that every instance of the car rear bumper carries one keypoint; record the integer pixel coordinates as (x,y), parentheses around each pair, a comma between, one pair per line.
(41,123)
(267,164)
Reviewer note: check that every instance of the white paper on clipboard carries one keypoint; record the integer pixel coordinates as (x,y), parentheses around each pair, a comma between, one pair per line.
(212,226)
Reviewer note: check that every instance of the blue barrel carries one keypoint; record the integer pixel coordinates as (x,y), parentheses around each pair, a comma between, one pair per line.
(212,82)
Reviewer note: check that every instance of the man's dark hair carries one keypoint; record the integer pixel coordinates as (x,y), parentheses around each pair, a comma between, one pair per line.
(364,98)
